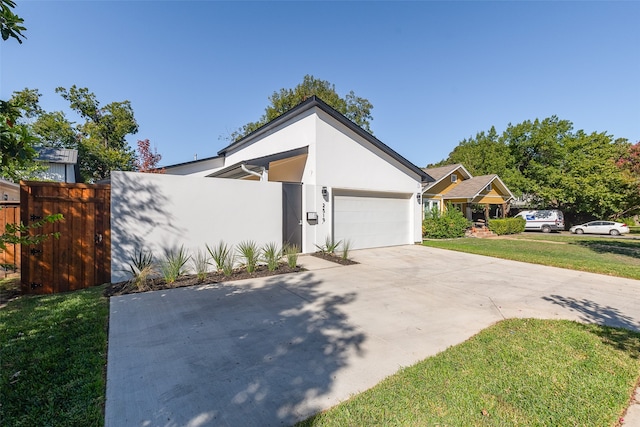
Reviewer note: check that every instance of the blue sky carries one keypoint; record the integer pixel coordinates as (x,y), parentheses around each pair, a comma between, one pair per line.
(435,72)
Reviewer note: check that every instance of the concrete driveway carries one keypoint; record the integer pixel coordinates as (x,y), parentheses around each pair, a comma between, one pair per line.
(270,352)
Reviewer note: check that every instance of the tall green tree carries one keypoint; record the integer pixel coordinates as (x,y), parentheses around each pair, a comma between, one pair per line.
(102,144)
(17,152)
(559,167)
(355,108)
(100,138)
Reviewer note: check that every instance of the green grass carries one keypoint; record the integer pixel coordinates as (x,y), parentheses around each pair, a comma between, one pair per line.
(604,255)
(520,372)
(53,359)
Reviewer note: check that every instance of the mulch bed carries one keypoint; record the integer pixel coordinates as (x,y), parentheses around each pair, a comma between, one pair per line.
(333,258)
(158,283)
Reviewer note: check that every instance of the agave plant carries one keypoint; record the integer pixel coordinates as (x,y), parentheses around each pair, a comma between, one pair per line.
(228,263)
(291,252)
(271,255)
(200,262)
(174,264)
(219,254)
(139,261)
(250,252)
(346,247)
(329,246)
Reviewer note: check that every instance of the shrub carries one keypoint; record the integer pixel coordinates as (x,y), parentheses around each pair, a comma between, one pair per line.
(630,221)
(141,268)
(507,225)
(219,254)
(271,255)
(450,224)
(173,265)
(329,246)
(250,251)
(291,252)
(140,260)
(200,263)
(346,247)
(227,264)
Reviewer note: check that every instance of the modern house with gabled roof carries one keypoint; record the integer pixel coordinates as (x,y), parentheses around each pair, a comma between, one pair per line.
(453,184)
(339,181)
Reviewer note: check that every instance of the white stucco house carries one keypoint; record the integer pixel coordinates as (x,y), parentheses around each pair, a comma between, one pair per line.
(339,181)
(305,177)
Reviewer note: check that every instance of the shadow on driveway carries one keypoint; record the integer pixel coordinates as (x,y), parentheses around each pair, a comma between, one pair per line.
(592,312)
(250,353)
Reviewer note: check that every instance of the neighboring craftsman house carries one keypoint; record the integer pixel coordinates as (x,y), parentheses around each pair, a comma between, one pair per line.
(454,185)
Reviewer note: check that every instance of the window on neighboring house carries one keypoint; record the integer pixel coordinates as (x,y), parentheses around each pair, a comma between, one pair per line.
(428,205)
(454,178)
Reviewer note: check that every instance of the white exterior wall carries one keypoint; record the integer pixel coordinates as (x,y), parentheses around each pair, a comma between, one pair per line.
(59,172)
(337,158)
(347,161)
(158,212)
(297,133)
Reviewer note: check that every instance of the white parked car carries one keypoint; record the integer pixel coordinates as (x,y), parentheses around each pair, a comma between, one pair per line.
(601,227)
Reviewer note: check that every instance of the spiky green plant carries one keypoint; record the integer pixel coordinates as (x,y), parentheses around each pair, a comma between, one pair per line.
(219,254)
(250,252)
(330,245)
(346,247)
(271,255)
(227,264)
(142,278)
(139,260)
(291,252)
(174,264)
(200,262)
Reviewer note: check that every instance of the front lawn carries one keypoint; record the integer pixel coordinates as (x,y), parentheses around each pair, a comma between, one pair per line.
(520,372)
(53,359)
(604,255)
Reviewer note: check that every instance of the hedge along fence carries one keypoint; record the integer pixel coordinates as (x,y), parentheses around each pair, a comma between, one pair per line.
(507,225)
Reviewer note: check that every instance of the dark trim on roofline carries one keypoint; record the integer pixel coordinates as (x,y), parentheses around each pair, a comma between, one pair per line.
(312,102)
(190,162)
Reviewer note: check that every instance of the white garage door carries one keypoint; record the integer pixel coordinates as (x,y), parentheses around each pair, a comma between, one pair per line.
(372,221)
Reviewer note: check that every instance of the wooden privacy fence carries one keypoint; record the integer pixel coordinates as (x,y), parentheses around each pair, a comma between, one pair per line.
(81,257)
(9,214)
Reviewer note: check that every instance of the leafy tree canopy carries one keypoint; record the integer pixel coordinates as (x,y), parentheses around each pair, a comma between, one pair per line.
(17,151)
(100,139)
(355,108)
(577,172)
(10,23)
(148,159)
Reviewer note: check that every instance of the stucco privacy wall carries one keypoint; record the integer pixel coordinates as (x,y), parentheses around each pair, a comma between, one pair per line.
(159,212)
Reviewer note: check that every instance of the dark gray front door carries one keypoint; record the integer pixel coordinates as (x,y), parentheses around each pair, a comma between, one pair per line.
(292,214)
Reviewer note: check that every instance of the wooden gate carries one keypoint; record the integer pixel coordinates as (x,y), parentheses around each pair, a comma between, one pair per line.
(81,257)
(9,214)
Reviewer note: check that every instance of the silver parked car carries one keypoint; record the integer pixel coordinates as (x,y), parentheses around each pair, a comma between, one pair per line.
(601,227)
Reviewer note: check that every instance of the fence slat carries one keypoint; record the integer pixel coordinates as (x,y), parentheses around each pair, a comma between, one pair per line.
(10,214)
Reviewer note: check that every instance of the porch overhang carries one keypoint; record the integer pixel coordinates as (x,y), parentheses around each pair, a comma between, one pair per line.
(295,158)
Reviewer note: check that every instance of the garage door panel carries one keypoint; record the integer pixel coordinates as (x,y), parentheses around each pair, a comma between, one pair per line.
(369,222)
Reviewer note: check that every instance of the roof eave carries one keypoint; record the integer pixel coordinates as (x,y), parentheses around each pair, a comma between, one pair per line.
(317,102)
